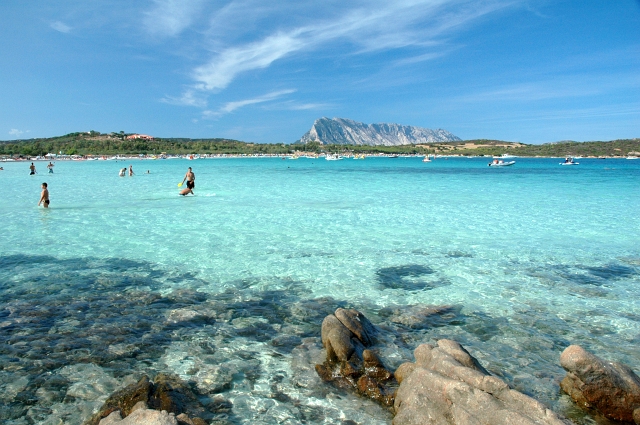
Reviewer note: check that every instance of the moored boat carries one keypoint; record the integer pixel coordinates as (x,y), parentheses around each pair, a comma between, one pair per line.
(569,161)
(500,163)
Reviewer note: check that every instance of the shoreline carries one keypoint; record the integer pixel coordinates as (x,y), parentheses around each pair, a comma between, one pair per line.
(279,156)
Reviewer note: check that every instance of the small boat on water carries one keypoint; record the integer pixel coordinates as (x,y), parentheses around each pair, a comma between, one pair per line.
(633,157)
(569,161)
(500,163)
(331,157)
(428,158)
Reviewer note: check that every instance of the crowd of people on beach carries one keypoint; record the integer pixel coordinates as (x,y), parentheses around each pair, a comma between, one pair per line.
(189,177)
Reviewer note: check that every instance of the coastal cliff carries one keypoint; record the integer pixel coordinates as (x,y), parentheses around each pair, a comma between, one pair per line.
(340,131)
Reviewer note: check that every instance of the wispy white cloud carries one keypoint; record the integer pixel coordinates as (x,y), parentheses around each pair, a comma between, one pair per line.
(569,86)
(190,97)
(61,27)
(17,133)
(232,106)
(218,73)
(170,17)
(563,114)
(307,106)
(292,105)
(377,27)
(422,58)
(243,38)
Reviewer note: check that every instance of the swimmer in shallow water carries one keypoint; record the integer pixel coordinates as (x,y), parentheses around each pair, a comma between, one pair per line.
(123,172)
(44,196)
(190,177)
(186,191)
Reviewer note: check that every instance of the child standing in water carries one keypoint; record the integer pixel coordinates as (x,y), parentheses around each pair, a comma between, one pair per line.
(44,196)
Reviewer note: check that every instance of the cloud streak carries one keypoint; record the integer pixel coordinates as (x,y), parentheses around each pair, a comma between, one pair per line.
(61,27)
(190,97)
(218,73)
(170,17)
(374,27)
(17,133)
(570,86)
(232,106)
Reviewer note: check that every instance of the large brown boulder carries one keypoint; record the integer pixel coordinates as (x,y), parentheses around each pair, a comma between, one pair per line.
(348,364)
(336,338)
(610,388)
(447,386)
(358,324)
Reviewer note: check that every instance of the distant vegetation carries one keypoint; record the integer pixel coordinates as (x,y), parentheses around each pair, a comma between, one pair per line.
(622,147)
(95,143)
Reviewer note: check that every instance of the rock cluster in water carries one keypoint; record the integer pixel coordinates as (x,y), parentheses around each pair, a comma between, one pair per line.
(445,385)
(63,354)
(167,400)
(610,389)
(349,364)
(340,131)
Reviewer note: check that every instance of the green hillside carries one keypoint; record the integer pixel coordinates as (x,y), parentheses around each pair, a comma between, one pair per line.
(95,143)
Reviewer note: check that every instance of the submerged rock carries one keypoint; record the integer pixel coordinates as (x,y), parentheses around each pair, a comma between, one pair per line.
(141,415)
(610,388)
(421,316)
(446,385)
(348,364)
(167,394)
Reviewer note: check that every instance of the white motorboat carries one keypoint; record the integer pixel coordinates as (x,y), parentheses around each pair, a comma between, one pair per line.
(331,157)
(569,161)
(500,163)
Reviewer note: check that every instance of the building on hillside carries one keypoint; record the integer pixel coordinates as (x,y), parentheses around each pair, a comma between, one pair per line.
(140,136)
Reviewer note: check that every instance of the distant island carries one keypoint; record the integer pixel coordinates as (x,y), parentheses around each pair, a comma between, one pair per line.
(342,131)
(93,143)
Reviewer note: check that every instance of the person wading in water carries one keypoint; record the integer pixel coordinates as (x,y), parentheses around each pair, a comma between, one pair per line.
(191,180)
(44,196)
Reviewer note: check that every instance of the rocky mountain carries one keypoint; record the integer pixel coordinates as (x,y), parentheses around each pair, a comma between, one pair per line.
(341,131)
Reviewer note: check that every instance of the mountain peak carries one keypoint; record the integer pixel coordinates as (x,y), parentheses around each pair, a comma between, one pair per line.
(343,131)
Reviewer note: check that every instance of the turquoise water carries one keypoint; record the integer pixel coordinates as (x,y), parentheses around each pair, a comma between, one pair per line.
(227,288)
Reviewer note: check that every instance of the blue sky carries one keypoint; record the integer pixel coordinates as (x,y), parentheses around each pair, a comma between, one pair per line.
(518,70)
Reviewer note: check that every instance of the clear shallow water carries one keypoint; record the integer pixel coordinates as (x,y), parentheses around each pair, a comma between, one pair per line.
(122,276)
